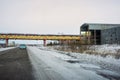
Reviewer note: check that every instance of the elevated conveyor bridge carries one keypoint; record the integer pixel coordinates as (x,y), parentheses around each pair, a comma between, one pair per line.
(44,37)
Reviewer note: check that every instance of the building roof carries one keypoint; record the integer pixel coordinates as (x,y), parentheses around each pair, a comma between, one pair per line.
(98,26)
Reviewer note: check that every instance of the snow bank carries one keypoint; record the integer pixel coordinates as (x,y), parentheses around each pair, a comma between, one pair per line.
(3,49)
(104,62)
(103,49)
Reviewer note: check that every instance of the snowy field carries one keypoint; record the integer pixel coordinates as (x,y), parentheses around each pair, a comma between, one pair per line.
(102,50)
(107,49)
(50,64)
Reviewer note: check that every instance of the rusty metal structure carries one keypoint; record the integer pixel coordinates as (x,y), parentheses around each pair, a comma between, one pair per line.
(15,36)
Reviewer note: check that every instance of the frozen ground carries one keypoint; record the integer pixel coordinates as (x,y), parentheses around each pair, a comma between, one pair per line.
(50,64)
(103,50)
(106,49)
(3,49)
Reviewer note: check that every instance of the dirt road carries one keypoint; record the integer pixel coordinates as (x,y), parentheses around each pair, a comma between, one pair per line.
(15,65)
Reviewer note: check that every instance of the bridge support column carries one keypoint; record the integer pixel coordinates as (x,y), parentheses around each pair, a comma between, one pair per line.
(61,42)
(44,42)
(6,42)
(95,37)
(68,42)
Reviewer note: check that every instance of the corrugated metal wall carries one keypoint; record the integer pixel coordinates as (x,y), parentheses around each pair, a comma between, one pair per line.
(110,36)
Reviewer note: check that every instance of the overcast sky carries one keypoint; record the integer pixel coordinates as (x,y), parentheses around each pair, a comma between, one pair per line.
(55,16)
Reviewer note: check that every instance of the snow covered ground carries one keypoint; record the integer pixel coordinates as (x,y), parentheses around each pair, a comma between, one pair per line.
(51,64)
(103,50)
(7,48)
(106,49)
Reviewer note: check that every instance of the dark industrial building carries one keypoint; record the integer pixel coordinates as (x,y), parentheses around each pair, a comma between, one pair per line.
(100,33)
(110,36)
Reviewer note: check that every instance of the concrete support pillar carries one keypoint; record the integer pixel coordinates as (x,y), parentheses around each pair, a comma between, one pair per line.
(95,37)
(86,38)
(61,42)
(89,37)
(44,42)
(68,42)
(6,42)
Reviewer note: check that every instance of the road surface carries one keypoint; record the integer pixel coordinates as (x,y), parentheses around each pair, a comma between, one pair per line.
(15,65)
(39,63)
